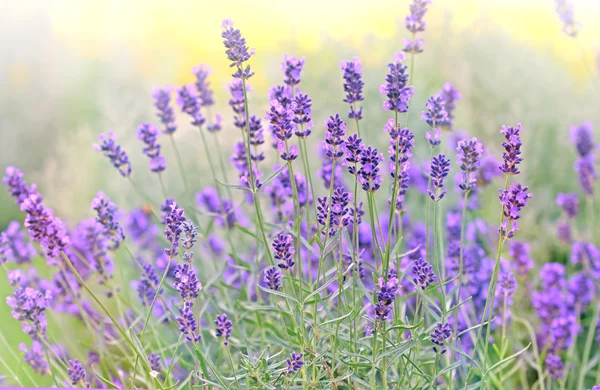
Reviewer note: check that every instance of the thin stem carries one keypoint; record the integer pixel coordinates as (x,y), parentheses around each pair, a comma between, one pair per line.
(162,185)
(588,347)
(232,366)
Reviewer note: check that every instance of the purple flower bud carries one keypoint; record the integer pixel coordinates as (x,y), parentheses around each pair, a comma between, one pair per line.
(353,86)
(440,166)
(187,99)
(554,366)
(205,93)
(368,174)
(147,133)
(76,373)
(186,282)
(187,322)
(224,327)
(450,96)
(106,216)
(335,131)
(13,246)
(164,111)
(292,67)
(236,50)
(512,149)
(564,9)
(28,306)
(283,250)
(154,360)
(117,156)
(512,201)
(44,227)
(302,109)
(586,170)
(439,336)
(17,187)
(395,89)
(569,203)
(272,278)
(36,358)
(435,113)
(424,274)
(414,21)
(469,158)
(174,220)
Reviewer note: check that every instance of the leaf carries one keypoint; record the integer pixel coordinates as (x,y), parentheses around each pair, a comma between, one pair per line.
(104,380)
(450,368)
(234,186)
(203,364)
(514,355)
(273,176)
(398,350)
(275,292)
(336,319)
(405,254)
(138,346)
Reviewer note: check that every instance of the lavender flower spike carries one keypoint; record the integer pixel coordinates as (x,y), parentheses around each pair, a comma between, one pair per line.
(205,93)
(353,86)
(469,158)
(435,114)
(292,67)
(76,373)
(283,248)
(164,111)
(439,335)
(148,133)
(17,187)
(440,166)
(335,131)
(117,156)
(272,278)
(395,89)
(424,275)
(512,201)
(224,327)
(512,149)
(188,100)
(236,50)
(107,218)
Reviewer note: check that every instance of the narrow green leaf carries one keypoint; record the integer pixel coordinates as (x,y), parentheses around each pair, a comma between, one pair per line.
(279,293)
(273,176)
(324,286)
(104,380)
(338,319)
(505,360)
(138,346)
(234,186)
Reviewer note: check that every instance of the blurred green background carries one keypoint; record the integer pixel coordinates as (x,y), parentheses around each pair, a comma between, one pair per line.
(73,69)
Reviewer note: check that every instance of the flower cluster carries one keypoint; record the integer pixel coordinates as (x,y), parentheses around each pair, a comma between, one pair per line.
(115,153)
(581,137)
(164,111)
(512,201)
(334,214)
(439,336)
(386,295)
(272,278)
(395,89)
(283,250)
(353,86)
(236,50)
(148,133)
(187,99)
(106,217)
(224,327)
(512,149)
(469,158)
(414,23)
(292,67)
(440,166)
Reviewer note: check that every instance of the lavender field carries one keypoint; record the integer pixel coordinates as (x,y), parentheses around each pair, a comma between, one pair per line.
(413,212)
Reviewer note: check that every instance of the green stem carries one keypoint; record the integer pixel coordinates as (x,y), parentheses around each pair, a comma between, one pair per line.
(589,341)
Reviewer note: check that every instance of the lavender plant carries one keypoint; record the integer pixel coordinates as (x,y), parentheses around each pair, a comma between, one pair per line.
(279,281)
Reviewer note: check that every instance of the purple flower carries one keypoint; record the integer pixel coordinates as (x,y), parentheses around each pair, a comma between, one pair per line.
(439,336)
(469,158)
(13,246)
(519,251)
(217,125)
(554,366)
(205,93)
(580,290)
(154,360)
(224,327)
(272,278)
(28,306)
(507,284)
(283,250)
(440,166)
(17,187)
(386,295)
(303,114)
(414,23)
(236,50)
(238,103)
(450,96)
(36,358)
(337,211)
(368,174)
(147,133)
(564,8)
(44,227)
(581,136)
(294,363)
(584,166)
(76,373)
(117,156)
(281,93)
(401,143)
(424,275)
(147,285)
(187,99)
(353,86)
(187,322)
(512,149)
(106,216)
(395,89)
(353,151)
(335,131)
(282,122)
(552,275)
(292,67)
(413,46)
(164,111)
(512,201)
(435,112)
(186,281)
(434,137)
(569,203)
(174,220)
(256,138)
